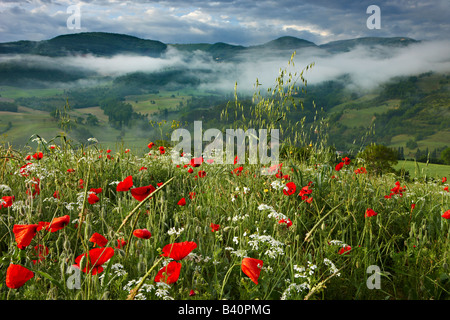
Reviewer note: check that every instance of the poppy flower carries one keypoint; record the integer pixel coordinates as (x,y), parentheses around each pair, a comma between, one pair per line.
(126,184)
(191,195)
(159,184)
(37,189)
(214,227)
(346,161)
(56,224)
(120,243)
(190,170)
(97,257)
(191,293)
(339,166)
(81,184)
(370,213)
(177,251)
(142,233)
(38,155)
(252,268)
(444,179)
(210,161)
(413,205)
(238,170)
(17,276)
(236,159)
(288,222)
(143,168)
(201,174)
(142,192)
(56,195)
(6,201)
(345,250)
(41,252)
(70,170)
(96,190)
(23,170)
(446,214)
(93,198)
(150,145)
(196,162)
(182,202)
(108,151)
(24,233)
(289,189)
(162,150)
(98,239)
(170,273)
(28,157)
(446,188)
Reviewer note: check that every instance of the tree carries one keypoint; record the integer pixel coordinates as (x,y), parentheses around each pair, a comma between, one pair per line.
(445,156)
(379,159)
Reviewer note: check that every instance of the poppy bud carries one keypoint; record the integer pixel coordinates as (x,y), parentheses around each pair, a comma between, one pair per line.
(67,245)
(83,262)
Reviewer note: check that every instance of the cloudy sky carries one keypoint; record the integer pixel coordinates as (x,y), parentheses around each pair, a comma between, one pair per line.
(244,22)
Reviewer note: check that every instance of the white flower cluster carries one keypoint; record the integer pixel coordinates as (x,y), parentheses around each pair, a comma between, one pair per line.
(197,258)
(277,185)
(272,212)
(333,268)
(275,247)
(303,273)
(4,188)
(173,231)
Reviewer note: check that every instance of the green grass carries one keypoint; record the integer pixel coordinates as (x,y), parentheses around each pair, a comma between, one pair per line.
(421,170)
(409,246)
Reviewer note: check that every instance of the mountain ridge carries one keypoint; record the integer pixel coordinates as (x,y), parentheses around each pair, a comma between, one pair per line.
(108,44)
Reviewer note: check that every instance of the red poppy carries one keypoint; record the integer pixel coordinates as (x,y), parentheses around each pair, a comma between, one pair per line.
(56,224)
(159,184)
(236,159)
(170,273)
(446,214)
(177,251)
(252,268)
(23,170)
(17,276)
(120,243)
(97,257)
(346,161)
(98,239)
(339,166)
(41,253)
(214,227)
(81,184)
(28,157)
(196,162)
(6,201)
(182,202)
(210,161)
(201,174)
(24,233)
(142,192)
(70,170)
(96,190)
(444,179)
(238,170)
(288,222)
(370,213)
(162,150)
(290,188)
(142,233)
(56,195)
(190,170)
(126,184)
(38,155)
(191,293)
(191,195)
(108,151)
(413,205)
(345,250)
(93,198)
(150,145)
(446,188)
(37,189)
